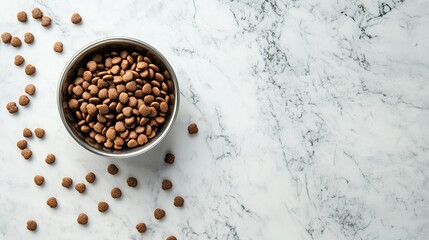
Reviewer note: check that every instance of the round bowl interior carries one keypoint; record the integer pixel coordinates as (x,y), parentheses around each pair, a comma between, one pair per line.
(69,74)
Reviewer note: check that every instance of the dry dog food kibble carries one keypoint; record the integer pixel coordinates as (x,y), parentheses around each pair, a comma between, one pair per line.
(22,144)
(30,89)
(58,47)
(26,153)
(67,182)
(159,213)
(27,133)
(179,201)
(167,184)
(192,128)
(112,169)
(52,202)
(120,99)
(171,238)
(39,180)
(80,187)
(141,227)
(15,42)
(21,16)
(23,100)
(31,225)
(11,107)
(28,37)
(169,158)
(90,177)
(40,133)
(46,21)
(116,193)
(50,158)
(37,13)
(19,60)
(103,206)
(30,69)
(6,37)
(82,219)
(76,18)
(132,182)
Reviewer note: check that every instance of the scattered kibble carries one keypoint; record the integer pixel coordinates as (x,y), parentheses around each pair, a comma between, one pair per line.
(11,107)
(82,219)
(37,13)
(159,213)
(23,100)
(31,225)
(179,201)
(132,182)
(58,47)
(26,153)
(76,18)
(192,128)
(167,184)
(6,37)
(15,42)
(103,206)
(169,158)
(50,158)
(141,227)
(46,21)
(67,182)
(39,180)
(52,202)
(90,177)
(19,60)
(112,169)
(116,193)
(28,38)
(30,89)
(40,132)
(171,238)
(80,187)
(21,16)
(22,144)
(27,133)
(30,69)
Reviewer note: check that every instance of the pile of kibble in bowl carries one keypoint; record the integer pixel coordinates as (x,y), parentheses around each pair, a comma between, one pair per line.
(120,99)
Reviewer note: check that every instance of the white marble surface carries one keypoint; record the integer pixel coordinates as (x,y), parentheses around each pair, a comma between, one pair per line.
(313,120)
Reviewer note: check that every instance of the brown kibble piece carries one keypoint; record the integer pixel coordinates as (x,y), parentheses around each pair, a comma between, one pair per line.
(82,219)
(30,89)
(192,128)
(40,133)
(39,180)
(15,42)
(58,47)
(27,133)
(46,21)
(116,193)
(30,69)
(90,177)
(37,13)
(167,184)
(76,18)
(11,107)
(159,213)
(141,227)
(21,144)
(19,60)
(132,182)
(28,38)
(26,153)
(31,225)
(67,182)
(171,238)
(179,201)
(80,187)
(21,16)
(103,206)
(50,158)
(23,100)
(6,37)
(169,158)
(112,169)
(52,202)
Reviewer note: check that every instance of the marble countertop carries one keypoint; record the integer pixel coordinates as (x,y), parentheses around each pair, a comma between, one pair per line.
(313,119)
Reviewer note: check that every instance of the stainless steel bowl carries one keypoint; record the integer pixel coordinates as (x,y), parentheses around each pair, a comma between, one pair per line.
(69,72)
